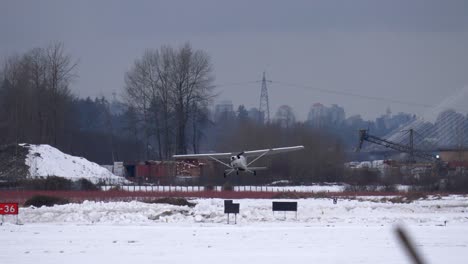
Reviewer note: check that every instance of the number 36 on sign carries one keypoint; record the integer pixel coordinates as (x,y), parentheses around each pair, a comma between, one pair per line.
(8,208)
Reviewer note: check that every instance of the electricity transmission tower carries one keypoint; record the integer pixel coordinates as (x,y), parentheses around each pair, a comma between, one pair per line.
(264,104)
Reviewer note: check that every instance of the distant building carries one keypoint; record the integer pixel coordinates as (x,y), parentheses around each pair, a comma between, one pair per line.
(451,129)
(161,172)
(355,121)
(454,154)
(336,114)
(117,168)
(225,109)
(117,107)
(387,122)
(322,116)
(255,115)
(317,115)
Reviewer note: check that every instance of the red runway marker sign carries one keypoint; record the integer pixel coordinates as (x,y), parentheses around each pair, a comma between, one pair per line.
(8,208)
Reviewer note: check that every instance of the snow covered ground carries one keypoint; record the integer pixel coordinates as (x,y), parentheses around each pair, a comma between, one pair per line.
(351,231)
(44,160)
(365,210)
(273,243)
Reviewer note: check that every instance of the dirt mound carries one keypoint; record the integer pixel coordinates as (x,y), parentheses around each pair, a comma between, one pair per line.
(173,201)
(12,162)
(44,200)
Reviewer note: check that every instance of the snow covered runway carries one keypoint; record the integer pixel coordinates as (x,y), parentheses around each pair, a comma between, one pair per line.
(350,232)
(273,243)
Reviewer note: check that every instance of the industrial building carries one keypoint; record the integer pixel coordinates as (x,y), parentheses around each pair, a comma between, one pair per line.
(455,157)
(158,172)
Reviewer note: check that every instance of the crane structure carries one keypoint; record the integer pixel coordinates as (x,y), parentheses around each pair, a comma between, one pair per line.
(365,136)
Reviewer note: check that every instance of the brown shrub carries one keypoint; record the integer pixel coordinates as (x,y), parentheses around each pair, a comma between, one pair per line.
(44,200)
(173,201)
(298,195)
(407,198)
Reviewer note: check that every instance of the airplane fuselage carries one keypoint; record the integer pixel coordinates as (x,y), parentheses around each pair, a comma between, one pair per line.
(239,163)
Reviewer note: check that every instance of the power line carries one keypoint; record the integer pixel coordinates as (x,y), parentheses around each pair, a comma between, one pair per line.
(345,93)
(234,84)
(337,92)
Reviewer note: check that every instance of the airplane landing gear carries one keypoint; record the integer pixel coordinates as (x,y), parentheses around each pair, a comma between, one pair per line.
(255,173)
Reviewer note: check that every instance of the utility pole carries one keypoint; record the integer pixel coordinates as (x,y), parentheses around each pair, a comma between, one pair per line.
(264,104)
(411,143)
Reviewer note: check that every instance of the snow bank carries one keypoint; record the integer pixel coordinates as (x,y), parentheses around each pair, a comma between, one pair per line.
(351,231)
(44,160)
(363,211)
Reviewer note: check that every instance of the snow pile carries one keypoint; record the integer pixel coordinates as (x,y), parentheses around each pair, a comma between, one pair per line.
(44,160)
(363,211)
(351,231)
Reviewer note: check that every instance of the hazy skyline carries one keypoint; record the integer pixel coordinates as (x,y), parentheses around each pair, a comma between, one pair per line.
(413,51)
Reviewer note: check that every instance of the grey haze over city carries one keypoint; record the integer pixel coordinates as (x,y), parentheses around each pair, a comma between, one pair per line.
(365,56)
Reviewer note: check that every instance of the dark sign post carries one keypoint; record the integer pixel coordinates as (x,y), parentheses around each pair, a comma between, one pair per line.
(285,206)
(231,208)
(9,209)
(335,200)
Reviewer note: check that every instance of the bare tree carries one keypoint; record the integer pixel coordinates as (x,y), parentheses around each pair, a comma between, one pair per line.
(198,119)
(10,100)
(192,80)
(38,64)
(36,98)
(164,62)
(60,72)
(285,116)
(169,88)
(139,93)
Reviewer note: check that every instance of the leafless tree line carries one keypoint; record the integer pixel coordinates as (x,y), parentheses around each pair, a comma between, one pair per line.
(321,160)
(35,95)
(167,93)
(170,90)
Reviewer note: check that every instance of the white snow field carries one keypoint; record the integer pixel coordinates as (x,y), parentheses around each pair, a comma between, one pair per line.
(351,231)
(45,160)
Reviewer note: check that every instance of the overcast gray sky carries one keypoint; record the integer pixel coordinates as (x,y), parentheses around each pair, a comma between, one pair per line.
(415,51)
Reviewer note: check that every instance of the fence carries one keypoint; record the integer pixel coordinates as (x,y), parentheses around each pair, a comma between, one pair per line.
(144,192)
(249,188)
(108,196)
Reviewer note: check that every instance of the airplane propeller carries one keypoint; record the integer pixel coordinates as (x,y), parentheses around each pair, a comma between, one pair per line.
(238,155)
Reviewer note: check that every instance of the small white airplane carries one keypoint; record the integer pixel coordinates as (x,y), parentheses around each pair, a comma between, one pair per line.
(238,162)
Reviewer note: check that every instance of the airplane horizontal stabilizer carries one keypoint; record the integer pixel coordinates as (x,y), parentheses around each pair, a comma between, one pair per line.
(257,168)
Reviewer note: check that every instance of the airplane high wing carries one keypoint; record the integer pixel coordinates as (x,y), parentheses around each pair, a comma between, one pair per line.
(238,161)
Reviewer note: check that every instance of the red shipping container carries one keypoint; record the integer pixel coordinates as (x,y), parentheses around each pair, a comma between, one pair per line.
(142,171)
